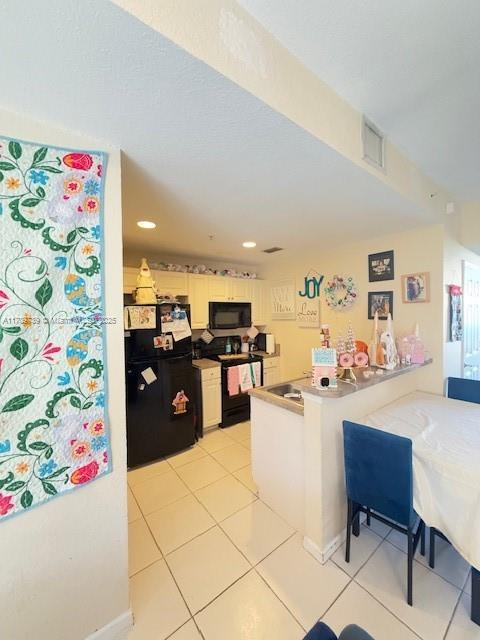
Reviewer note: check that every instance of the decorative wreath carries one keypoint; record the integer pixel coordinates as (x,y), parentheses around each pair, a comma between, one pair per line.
(340,292)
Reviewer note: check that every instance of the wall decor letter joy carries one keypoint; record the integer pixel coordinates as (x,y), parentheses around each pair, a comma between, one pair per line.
(311,286)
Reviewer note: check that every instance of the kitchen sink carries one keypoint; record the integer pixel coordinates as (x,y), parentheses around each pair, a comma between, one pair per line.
(287,391)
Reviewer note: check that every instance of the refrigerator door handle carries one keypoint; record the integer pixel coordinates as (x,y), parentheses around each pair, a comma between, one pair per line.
(183,357)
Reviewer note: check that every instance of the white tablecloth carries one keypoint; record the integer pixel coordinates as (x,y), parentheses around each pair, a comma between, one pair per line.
(446,463)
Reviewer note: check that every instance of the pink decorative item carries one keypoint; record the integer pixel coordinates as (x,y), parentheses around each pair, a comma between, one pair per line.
(81,161)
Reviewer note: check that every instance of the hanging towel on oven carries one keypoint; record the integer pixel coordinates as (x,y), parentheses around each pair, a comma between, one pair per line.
(257,373)
(233,381)
(246,377)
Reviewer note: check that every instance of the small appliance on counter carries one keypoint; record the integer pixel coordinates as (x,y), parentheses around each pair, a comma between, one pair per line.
(235,408)
(159,376)
(266,342)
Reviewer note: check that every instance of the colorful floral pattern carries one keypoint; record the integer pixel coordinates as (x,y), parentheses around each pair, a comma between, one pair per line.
(53,434)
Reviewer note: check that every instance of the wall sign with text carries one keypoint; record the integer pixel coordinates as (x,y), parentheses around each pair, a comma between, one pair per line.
(283,300)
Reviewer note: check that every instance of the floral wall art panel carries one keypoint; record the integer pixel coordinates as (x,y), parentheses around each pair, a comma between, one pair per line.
(53,431)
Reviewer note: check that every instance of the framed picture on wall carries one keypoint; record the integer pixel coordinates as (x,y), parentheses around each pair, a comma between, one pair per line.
(381,301)
(416,287)
(381,266)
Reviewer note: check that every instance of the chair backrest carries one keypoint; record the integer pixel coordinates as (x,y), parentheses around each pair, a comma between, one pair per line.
(463,389)
(378,471)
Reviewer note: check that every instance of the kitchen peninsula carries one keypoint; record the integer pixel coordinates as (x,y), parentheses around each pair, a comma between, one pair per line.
(297,447)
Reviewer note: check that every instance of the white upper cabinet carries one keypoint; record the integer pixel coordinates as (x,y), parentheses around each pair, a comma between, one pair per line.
(129,279)
(259,298)
(171,282)
(218,289)
(198,300)
(223,289)
(165,281)
(202,289)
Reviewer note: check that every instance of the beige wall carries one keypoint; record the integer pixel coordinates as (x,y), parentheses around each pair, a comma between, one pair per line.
(416,250)
(64,568)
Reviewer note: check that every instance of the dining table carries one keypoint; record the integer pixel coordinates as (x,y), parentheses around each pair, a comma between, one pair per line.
(445,435)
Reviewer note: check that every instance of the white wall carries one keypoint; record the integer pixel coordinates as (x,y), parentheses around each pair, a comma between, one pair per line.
(415,250)
(64,566)
(454,255)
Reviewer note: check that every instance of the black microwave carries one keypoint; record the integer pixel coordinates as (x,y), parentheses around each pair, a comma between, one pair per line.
(229,315)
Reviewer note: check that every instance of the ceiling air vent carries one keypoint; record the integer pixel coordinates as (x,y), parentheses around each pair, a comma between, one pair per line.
(373,144)
(272,250)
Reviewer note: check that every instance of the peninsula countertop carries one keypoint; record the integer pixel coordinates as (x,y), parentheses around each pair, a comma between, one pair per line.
(377,376)
(344,388)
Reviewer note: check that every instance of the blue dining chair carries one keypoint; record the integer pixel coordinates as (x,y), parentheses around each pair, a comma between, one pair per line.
(379,479)
(468,391)
(322,632)
(463,389)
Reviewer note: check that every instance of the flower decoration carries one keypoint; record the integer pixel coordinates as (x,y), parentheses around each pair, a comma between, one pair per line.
(340,293)
(91,204)
(3,298)
(100,400)
(63,379)
(92,385)
(97,427)
(60,262)
(5,446)
(81,161)
(92,187)
(12,183)
(72,186)
(95,231)
(5,504)
(85,474)
(48,350)
(80,449)
(47,468)
(99,443)
(38,177)
(27,321)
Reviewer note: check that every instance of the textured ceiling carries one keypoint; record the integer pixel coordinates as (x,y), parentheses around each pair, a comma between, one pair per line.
(413,66)
(201,156)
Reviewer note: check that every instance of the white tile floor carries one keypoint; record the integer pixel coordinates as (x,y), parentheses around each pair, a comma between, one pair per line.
(209,560)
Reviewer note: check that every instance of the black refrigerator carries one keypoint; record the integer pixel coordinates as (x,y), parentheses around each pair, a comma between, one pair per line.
(160,385)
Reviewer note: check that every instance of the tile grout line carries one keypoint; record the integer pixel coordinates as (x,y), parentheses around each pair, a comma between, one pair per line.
(427,567)
(278,598)
(253,567)
(387,609)
(453,615)
(362,565)
(163,557)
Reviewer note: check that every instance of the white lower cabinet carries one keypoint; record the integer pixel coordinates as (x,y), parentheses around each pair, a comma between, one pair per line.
(211,397)
(271,371)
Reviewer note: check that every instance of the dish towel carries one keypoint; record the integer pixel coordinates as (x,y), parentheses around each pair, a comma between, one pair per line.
(257,373)
(246,381)
(233,381)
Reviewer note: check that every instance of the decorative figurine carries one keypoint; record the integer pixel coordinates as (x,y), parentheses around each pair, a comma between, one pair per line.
(145,293)
(388,354)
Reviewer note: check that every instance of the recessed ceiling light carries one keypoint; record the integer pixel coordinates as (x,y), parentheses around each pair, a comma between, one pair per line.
(249,245)
(146,224)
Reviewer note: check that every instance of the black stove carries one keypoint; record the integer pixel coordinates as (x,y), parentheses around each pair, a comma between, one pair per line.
(236,408)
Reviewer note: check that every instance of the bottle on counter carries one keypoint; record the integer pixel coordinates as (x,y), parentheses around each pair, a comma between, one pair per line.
(228,346)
